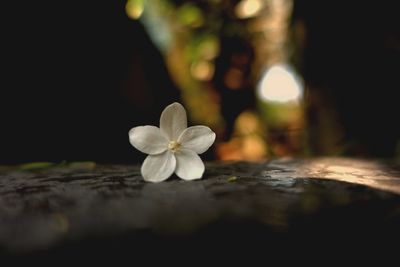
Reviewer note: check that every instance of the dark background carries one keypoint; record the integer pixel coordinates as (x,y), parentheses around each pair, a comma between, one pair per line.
(77,75)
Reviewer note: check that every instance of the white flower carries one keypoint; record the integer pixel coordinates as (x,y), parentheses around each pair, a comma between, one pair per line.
(173,147)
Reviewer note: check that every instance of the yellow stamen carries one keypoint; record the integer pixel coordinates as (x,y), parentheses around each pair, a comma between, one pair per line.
(173,146)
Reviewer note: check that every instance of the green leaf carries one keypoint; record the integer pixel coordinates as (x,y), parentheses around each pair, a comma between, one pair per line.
(36,166)
(82,165)
(232,179)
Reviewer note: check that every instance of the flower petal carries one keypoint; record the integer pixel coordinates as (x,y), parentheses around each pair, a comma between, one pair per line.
(197,138)
(148,139)
(189,165)
(157,168)
(173,121)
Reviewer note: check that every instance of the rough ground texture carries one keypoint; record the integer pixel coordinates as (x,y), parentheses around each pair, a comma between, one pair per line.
(94,209)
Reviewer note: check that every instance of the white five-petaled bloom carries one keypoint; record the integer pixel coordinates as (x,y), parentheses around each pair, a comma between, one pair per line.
(173,147)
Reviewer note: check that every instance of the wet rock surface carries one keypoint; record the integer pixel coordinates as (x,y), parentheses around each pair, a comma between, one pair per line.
(59,210)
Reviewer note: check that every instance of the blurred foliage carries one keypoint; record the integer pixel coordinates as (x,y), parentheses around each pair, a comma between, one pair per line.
(216,52)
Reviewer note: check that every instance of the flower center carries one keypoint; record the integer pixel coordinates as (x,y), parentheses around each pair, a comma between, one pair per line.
(173,146)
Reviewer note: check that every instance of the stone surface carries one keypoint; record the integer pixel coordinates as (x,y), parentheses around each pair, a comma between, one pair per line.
(67,207)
